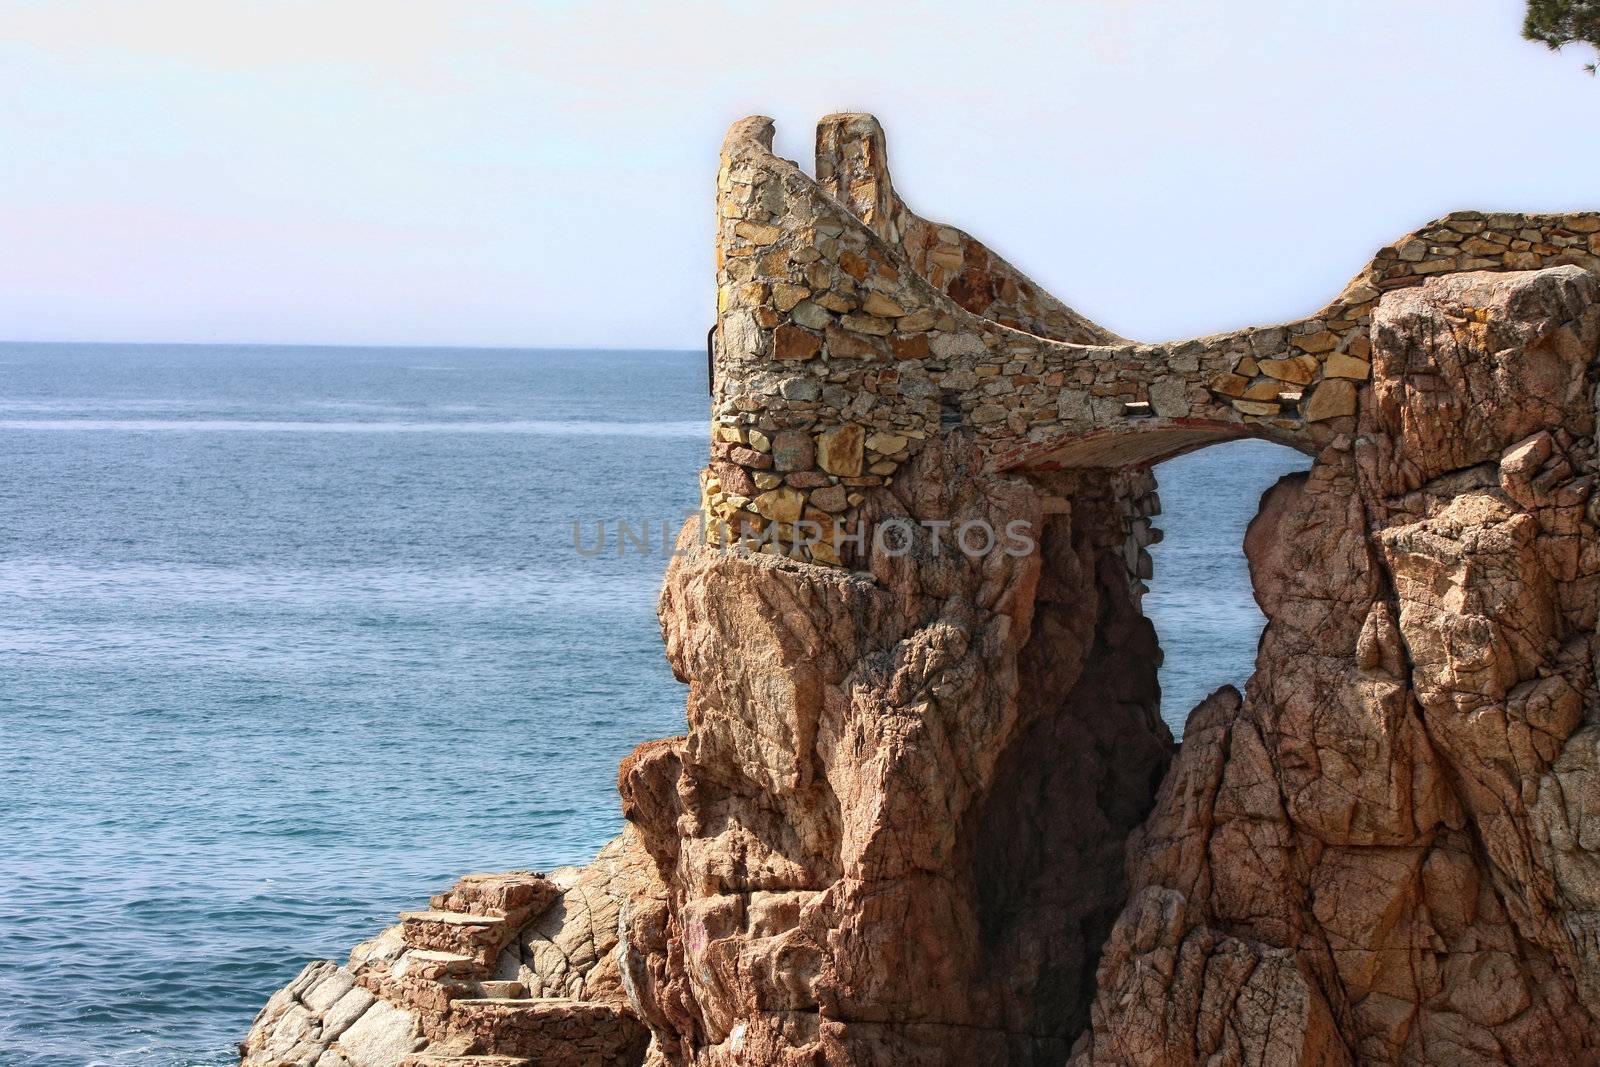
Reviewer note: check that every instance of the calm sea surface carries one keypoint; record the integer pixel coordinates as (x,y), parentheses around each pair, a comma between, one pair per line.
(291,637)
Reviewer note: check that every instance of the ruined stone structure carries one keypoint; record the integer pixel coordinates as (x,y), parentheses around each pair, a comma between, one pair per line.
(926,812)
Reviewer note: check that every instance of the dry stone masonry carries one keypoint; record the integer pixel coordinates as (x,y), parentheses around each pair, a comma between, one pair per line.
(854,330)
(926,812)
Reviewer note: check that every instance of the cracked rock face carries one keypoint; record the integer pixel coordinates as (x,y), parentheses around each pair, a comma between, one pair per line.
(1377,855)
(868,860)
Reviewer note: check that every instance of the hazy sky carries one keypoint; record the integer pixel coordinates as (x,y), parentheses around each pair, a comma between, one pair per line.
(540,174)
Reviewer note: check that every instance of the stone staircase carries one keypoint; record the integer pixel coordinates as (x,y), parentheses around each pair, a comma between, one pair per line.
(471,1019)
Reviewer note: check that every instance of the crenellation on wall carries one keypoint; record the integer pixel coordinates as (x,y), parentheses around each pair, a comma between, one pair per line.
(852,167)
(840,316)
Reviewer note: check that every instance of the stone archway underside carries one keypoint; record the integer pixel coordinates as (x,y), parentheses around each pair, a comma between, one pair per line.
(926,812)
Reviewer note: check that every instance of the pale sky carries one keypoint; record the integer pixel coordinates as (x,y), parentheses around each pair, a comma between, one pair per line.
(540,174)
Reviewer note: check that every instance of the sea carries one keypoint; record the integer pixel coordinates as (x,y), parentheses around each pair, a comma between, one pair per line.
(291,637)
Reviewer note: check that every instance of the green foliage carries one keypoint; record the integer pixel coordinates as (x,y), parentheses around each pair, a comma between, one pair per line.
(1555,23)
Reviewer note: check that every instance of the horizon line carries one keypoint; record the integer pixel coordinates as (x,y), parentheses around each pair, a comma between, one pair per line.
(371,345)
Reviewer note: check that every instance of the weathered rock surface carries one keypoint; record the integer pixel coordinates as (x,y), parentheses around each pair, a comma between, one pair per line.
(1376,856)
(925,811)
(868,861)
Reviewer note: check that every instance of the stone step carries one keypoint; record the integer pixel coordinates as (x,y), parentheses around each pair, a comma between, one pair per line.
(455,918)
(553,1032)
(464,1059)
(491,989)
(433,965)
(521,894)
(476,936)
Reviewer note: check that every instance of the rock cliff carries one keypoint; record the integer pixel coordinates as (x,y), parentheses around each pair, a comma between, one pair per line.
(1377,855)
(926,811)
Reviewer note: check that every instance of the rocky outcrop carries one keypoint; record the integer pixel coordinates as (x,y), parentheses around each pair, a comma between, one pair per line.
(925,811)
(868,862)
(1376,855)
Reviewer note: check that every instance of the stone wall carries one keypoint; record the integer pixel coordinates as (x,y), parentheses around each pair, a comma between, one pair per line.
(841,346)
(852,167)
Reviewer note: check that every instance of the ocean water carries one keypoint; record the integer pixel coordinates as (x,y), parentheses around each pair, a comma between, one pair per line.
(292,637)
(1200,598)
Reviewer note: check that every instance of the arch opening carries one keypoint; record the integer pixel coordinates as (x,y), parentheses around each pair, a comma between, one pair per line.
(1094,689)
(1200,596)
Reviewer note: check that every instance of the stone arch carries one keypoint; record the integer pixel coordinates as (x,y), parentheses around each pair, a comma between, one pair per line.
(895,830)
(1164,440)
(858,331)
